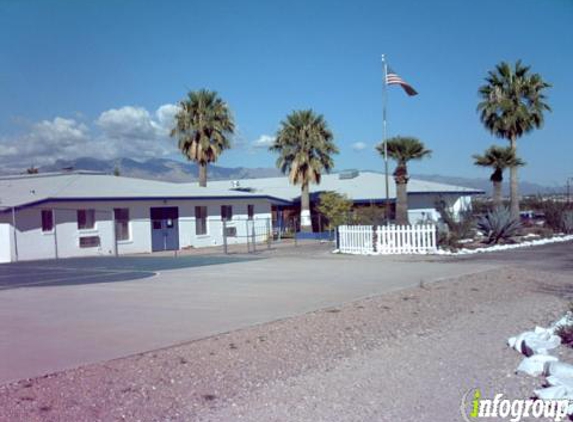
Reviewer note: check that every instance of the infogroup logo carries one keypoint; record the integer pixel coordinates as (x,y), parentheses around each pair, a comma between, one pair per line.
(475,407)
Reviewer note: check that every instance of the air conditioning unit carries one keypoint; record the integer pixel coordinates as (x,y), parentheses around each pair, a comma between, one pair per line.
(230,231)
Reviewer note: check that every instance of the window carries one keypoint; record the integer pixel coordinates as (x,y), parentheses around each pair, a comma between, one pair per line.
(89,242)
(200,220)
(226,212)
(121,216)
(250,212)
(47,221)
(86,219)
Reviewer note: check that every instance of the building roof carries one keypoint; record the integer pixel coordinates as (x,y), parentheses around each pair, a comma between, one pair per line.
(359,186)
(26,190)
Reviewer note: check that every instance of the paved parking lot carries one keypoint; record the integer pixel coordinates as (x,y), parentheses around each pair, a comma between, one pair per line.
(63,322)
(91,270)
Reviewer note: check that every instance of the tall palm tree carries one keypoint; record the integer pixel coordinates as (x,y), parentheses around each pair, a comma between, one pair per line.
(403,149)
(203,126)
(305,144)
(512,104)
(498,158)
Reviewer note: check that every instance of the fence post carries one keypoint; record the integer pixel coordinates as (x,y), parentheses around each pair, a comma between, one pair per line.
(247,235)
(269,233)
(254,237)
(225,250)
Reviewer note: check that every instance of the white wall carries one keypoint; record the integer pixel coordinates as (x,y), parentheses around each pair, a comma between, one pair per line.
(5,242)
(63,241)
(422,207)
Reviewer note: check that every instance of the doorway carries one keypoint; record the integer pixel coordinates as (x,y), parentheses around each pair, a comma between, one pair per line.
(164,228)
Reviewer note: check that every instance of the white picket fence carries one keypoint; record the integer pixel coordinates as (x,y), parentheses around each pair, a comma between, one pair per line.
(385,240)
(357,240)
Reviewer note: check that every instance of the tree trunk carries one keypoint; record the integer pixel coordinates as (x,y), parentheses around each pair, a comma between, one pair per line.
(305,220)
(497,194)
(513,184)
(401,203)
(203,175)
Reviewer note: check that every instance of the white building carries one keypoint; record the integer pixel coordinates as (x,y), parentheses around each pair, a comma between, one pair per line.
(363,188)
(74,214)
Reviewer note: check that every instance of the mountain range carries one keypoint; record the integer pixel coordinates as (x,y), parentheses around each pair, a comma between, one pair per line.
(158,169)
(178,171)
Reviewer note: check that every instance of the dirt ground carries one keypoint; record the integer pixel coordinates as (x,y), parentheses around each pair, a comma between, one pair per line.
(408,356)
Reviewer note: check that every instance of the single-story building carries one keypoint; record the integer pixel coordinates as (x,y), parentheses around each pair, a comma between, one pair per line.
(56,215)
(363,188)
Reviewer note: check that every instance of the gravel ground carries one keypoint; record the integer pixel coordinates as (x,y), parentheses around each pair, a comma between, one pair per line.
(407,356)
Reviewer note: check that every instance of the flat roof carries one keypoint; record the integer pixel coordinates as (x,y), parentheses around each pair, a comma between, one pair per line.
(25,190)
(360,186)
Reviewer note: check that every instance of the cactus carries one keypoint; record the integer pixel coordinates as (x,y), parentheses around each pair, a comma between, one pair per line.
(498,225)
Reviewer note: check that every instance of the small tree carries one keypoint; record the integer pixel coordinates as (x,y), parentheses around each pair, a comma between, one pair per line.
(203,127)
(403,149)
(498,158)
(335,207)
(305,146)
(513,102)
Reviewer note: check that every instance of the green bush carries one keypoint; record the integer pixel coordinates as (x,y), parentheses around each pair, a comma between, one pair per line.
(498,226)
(335,207)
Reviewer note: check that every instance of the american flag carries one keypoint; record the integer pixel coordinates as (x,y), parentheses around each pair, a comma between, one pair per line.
(392,78)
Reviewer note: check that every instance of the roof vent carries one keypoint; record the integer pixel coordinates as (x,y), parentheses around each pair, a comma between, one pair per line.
(348,174)
(235,184)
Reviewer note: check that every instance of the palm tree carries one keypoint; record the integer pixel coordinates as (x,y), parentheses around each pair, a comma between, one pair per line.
(203,126)
(512,104)
(403,149)
(498,158)
(305,144)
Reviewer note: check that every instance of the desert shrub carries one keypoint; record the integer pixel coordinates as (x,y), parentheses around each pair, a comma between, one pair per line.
(568,222)
(372,215)
(458,228)
(532,202)
(497,226)
(557,216)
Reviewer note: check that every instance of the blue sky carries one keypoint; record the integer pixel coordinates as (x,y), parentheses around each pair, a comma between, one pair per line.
(100,78)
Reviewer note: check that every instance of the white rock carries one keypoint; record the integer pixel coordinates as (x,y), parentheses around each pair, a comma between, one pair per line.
(495,248)
(539,341)
(536,364)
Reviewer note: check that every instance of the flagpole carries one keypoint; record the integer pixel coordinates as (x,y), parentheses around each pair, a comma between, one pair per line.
(384,135)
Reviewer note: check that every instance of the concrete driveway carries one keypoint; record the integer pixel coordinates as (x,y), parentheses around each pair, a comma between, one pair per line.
(44,329)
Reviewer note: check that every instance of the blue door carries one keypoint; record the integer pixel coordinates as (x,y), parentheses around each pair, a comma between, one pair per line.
(164,228)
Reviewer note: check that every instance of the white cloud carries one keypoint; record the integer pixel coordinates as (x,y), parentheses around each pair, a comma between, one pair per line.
(166,117)
(137,133)
(359,146)
(127,131)
(127,122)
(264,141)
